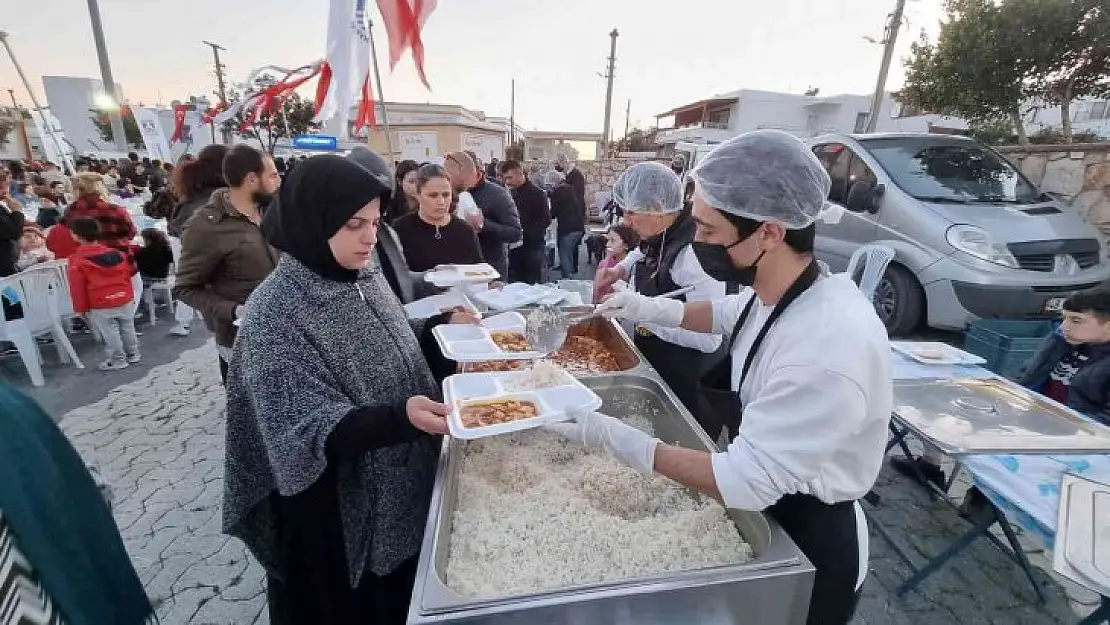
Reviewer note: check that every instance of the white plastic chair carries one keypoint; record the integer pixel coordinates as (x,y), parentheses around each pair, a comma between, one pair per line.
(39,293)
(875,259)
(165,287)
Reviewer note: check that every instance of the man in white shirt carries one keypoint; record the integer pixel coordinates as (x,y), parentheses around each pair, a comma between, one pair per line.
(806,392)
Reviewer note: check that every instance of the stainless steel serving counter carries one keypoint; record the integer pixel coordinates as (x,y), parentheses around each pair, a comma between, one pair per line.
(771,589)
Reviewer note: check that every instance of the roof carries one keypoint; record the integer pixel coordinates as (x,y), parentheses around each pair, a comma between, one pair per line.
(719,101)
(541,135)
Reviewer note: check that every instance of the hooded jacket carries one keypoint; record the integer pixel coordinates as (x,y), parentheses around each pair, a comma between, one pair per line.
(99,278)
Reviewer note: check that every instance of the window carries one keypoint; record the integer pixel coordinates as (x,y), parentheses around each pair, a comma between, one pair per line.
(1098,110)
(861,122)
(718,118)
(835,157)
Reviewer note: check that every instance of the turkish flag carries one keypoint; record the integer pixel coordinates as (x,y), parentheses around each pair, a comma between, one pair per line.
(178,121)
(403,20)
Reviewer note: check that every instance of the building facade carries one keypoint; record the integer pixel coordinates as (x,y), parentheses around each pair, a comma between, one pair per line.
(718,118)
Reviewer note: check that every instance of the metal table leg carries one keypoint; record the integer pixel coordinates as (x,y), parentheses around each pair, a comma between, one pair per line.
(980,528)
(1019,553)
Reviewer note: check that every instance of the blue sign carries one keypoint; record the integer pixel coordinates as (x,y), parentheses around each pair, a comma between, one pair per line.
(323,143)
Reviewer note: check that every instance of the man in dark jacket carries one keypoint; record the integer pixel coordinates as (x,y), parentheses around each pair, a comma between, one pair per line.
(570,213)
(574,177)
(526,261)
(498,225)
(224,255)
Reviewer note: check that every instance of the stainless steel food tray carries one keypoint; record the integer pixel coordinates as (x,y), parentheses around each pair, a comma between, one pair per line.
(773,588)
(610,333)
(1082,551)
(993,415)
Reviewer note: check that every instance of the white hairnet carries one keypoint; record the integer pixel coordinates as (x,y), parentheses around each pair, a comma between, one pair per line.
(765,175)
(648,188)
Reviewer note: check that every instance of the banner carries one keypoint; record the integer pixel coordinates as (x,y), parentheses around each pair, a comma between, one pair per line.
(418,146)
(154,138)
(53,139)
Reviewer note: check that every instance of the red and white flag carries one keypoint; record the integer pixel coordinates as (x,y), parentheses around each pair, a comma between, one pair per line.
(346,74)
(403,21)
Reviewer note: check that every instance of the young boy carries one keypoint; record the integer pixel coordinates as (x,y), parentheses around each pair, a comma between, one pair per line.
(1073,364)
(100,287)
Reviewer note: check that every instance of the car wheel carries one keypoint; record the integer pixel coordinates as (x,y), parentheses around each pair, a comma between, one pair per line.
(899,301)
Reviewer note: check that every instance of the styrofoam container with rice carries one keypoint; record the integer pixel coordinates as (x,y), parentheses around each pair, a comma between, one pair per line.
(501,337)
(489,404)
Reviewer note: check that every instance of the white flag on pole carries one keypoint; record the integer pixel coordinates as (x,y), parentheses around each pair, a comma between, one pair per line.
(348,56)
(157,147)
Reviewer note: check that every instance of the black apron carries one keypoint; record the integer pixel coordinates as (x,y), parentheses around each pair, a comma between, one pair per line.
(826,533)
(680,367)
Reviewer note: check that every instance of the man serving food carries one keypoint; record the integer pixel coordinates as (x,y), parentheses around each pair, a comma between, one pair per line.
(806,389)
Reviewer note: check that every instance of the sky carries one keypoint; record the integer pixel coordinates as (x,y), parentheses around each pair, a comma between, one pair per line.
(668,53)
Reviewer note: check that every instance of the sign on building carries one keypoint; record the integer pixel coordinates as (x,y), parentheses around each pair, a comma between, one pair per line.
(418,146)
(487,147)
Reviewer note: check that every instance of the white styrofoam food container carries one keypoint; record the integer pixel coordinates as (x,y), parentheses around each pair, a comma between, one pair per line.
(472,343)
(922,351)
(454,275)
(515,295)
(554,404)
(435,304)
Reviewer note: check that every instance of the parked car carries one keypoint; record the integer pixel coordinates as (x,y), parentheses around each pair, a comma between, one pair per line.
(973,236)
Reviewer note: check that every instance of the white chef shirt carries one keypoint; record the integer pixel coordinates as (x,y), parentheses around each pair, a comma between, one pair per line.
(816,400)
(685,271)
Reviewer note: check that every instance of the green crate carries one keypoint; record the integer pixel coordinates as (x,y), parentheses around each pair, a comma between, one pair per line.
(1006,344)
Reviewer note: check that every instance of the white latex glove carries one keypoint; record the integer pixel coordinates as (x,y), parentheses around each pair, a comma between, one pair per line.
(628,304)
(598,431)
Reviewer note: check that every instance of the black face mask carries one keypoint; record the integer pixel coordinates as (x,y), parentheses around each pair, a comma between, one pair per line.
(717,264)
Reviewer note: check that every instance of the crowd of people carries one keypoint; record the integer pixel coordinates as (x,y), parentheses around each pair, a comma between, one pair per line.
(334,410)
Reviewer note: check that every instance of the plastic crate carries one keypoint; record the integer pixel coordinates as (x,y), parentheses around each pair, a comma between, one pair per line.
(1007,345)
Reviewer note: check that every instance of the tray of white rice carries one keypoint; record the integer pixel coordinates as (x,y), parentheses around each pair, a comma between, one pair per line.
(529,527)
(489,404)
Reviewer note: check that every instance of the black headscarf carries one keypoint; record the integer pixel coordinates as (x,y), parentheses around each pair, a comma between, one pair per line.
(316,200)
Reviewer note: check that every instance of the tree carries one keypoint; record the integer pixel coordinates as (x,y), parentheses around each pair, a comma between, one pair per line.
(977,69)
(103,123)
(1069,49)
(269,128)
(5,131)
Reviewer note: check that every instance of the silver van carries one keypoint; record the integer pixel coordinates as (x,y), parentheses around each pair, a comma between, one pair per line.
(974,238)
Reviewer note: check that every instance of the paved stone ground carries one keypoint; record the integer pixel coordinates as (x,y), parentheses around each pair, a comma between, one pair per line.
(159,440)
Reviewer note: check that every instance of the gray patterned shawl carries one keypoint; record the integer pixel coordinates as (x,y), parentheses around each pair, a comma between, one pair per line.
(309,351)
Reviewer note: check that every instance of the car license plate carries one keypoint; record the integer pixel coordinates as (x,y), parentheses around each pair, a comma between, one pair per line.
(1055,304)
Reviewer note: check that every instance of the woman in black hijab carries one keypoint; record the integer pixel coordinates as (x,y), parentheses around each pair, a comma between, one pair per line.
(333,415)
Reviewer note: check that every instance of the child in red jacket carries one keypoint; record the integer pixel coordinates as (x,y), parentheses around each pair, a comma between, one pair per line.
(100,287)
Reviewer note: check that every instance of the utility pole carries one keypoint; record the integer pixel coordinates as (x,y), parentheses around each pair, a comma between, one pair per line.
(216,48)
(381,95)
(512,114)
(890,36)
(609,89)
(627,115)
(48,127)
(120,139)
